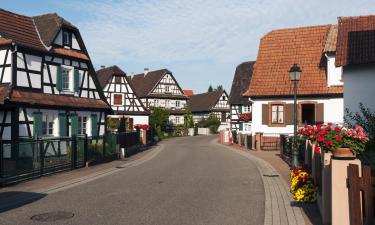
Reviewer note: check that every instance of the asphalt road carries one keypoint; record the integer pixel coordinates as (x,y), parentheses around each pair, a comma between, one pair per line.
(191,181)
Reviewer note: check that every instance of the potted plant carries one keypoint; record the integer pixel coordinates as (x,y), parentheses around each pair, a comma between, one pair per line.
(341,141)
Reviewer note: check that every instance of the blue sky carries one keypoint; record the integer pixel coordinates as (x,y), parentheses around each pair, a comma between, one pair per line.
(201,42)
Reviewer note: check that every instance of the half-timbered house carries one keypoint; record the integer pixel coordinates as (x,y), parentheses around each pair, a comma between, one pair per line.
(320,88)
(240,106)
(121,96)
(210,103)
(159,88)
(48,86)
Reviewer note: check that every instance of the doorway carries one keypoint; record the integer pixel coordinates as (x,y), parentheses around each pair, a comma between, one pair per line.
(308,114)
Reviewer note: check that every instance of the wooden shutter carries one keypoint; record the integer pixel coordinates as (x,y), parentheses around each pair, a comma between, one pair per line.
(94,125)
(74,124)
(62,125)
(319,113)
(37,123)
(240,109)
(289,114)
(76,80)
(265,114)
(59,78)
(117,99)
(131,124)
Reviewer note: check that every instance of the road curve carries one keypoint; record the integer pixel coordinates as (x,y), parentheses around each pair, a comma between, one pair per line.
(191,181)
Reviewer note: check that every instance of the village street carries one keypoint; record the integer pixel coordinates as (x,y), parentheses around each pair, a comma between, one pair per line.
(191,181)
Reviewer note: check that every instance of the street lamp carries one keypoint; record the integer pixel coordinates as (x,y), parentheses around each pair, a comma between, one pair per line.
(295,76)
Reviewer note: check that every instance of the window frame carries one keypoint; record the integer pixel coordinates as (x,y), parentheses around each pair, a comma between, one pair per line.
(66,41)
(114,99)
(270,123)
(47,121)
(82,125)
(70,78)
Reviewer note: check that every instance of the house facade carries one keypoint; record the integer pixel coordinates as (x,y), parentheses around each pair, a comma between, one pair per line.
(320,89)
(356,54)
(159,88)
(121,96)
(211,103)
(240,106)
(48,87)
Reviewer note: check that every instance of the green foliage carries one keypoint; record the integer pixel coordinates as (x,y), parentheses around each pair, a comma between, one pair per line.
(211,123)
(179,131)
(113,124)
(188,119)
(219,88)
(210,89)
(159,117)
(366,119)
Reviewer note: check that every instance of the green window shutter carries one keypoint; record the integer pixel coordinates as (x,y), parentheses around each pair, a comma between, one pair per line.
(240,109)
(62,125)
(76,80)
(59,78)
(74,124)
(94,125)
(37,123)
(241,126)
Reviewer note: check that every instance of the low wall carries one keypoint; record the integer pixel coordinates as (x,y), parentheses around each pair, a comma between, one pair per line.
(204,131)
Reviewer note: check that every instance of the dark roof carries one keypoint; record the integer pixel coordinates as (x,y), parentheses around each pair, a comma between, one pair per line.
(355,40)
(279,50)
(204,102)
(241,82)
(144,84)
(20,29)
(104,75)
(49,25)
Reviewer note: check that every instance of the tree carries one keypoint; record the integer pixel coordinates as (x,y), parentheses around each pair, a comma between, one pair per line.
(219,88)
(188,119)
(210,89)
(159,117)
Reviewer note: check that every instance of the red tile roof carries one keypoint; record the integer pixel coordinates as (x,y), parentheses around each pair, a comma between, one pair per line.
(33,98)
(356,40)
(279,50)
(5,41)
(71,53)
(188,92)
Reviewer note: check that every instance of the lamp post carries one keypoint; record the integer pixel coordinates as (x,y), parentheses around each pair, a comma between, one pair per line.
(295,76)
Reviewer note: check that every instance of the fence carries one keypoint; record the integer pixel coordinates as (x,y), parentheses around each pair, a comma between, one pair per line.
(29,158)
(286,149)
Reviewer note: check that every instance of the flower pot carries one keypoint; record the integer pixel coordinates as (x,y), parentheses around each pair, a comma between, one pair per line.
(343,153)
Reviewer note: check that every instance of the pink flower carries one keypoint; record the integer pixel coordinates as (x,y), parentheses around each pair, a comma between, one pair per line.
(328,143)
(337,129)
(359,128)
(338,138)
(320,138)
(317,150)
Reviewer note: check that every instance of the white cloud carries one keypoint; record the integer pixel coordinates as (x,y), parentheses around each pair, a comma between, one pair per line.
(177,32)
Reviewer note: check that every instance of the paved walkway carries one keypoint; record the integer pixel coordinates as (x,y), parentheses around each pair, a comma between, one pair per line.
(278,207)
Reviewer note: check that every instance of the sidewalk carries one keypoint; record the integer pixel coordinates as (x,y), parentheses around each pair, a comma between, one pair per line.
(29,191)
(310,213)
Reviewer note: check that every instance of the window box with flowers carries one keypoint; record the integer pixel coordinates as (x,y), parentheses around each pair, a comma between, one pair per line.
(245,117)
(341,141)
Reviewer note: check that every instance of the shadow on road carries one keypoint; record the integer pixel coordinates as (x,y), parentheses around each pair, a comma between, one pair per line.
(15,199)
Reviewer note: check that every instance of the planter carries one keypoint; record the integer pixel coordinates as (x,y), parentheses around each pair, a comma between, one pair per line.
(343,153)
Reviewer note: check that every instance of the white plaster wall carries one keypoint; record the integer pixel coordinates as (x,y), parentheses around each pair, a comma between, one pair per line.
(59,38)
(334,74)
(75,44)
(139,119)
(7,77)
(333,112)
(359,87)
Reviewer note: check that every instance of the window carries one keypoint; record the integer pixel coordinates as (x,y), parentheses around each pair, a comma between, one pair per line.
(156,102)
(166,89)
(66,38)
(65,79)
(277,114)
(223,97)
(82,124)
(177,119)
(247,108)
(166,103)
(177,104)
(308,113)
(47,125)
(117,79)
(117,99)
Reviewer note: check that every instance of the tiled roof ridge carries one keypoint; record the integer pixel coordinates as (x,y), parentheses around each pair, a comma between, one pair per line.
(15,14)
(354,17)
(297,28)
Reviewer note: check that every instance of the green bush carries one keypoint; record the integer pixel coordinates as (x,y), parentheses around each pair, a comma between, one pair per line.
(212,123)
(179,131)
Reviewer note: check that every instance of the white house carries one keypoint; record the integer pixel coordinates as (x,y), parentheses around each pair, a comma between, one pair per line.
(356,54)
(210,103)
(48,87)
(320,89)
(240,106)
(159,88)
(121,96)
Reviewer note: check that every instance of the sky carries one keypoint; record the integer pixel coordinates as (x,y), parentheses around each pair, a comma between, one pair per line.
(200,41)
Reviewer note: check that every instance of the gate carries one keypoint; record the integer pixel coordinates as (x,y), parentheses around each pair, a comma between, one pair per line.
(270,142)
(361,211)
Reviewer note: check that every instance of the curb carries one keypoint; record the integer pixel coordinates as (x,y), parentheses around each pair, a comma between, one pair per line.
(24,198)
(278,207)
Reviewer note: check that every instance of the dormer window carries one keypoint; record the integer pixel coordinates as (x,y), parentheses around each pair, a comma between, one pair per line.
(67,38)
